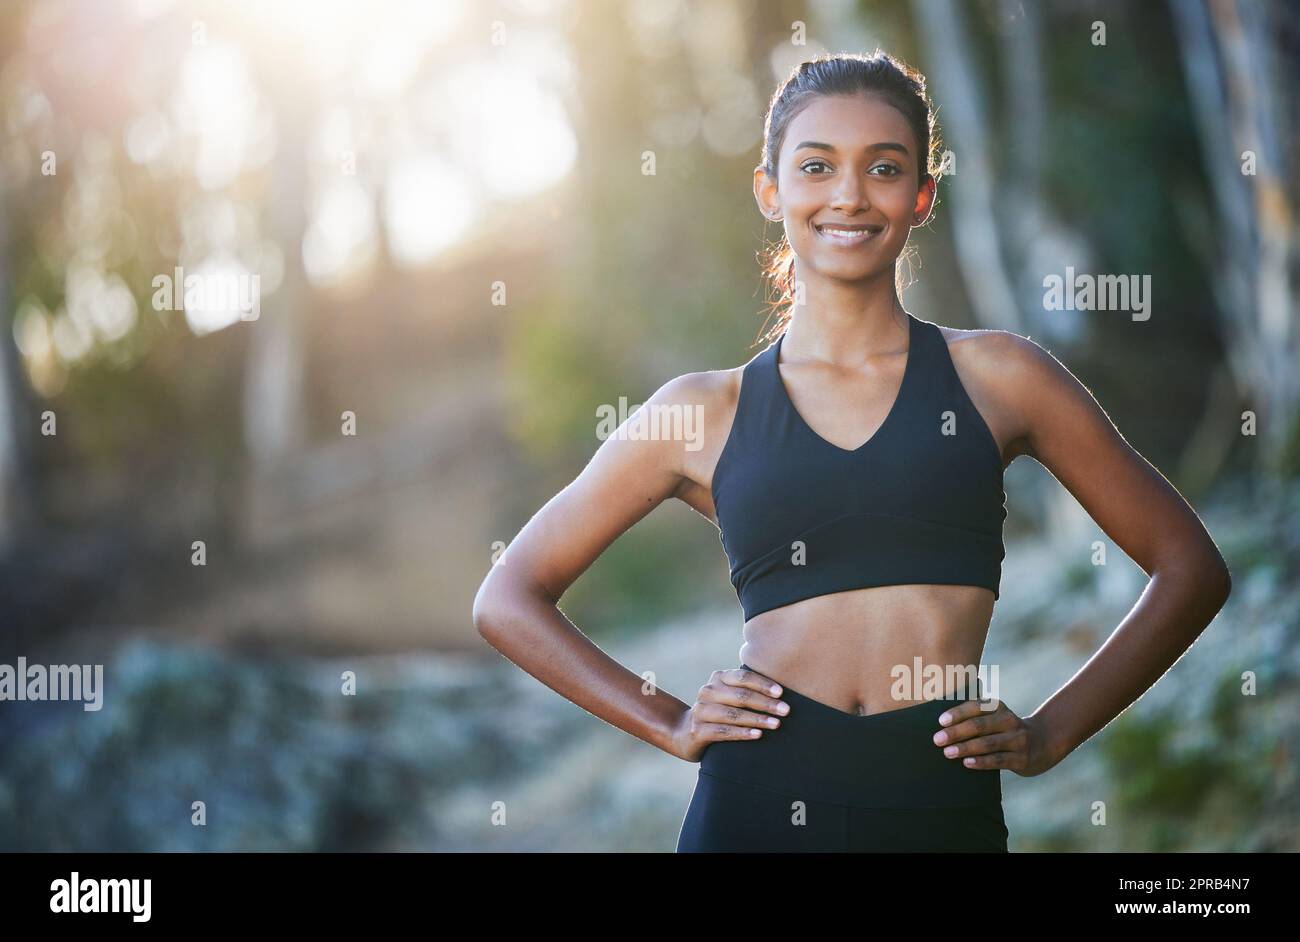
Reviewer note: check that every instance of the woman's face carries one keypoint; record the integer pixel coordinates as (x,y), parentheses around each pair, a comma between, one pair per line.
(850,162)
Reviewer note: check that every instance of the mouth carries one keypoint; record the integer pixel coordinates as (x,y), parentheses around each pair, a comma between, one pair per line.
(847,235)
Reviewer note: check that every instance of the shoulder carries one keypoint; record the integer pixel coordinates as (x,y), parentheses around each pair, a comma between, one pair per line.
(714,389)
(706,402)
(1020,380)
(1001,359)
(986,344)
(703,401)
(699,386)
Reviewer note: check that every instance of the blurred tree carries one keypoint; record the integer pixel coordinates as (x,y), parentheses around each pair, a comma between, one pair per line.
(1240,62)
(17,480)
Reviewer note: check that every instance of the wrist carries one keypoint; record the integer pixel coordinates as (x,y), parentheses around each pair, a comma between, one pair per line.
(681,736)
(1053,742)
(675,737)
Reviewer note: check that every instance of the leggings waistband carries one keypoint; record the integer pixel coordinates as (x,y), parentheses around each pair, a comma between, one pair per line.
(881,760)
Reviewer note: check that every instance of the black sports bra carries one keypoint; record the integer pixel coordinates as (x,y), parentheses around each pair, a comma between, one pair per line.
(921,501)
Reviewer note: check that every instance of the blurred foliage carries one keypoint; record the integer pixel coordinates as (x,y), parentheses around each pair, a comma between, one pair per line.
(647,275)
(645,579)
(1166,768)
(280,758)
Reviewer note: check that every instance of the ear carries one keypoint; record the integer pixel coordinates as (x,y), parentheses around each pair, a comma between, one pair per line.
(765,194)
(924,201)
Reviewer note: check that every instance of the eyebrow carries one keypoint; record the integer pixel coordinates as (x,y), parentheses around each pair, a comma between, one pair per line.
(883,145)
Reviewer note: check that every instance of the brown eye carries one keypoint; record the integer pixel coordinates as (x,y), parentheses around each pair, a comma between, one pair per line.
(810,163)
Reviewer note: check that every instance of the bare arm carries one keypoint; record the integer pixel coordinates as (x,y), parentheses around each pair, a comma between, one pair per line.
(516,610)
(1065,430)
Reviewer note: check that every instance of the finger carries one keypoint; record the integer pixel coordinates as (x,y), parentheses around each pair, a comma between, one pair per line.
(993,760)
(735,716)
(963,710)
(982,745)
(968,723)
(743,697)
(744,677)
(718,732)
(748,697)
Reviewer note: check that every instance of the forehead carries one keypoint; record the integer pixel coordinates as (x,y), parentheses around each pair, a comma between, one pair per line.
(850,123)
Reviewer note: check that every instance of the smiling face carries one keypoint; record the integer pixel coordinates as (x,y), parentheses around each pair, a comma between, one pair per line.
(847,187)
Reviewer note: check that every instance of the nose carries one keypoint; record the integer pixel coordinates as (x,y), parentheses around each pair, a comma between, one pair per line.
(850,194)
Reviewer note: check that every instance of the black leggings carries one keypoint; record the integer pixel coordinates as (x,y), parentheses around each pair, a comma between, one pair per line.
(826,780)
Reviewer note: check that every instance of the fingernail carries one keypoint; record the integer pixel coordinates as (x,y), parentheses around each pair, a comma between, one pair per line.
(945,719)
(940,738)
(776,691)
(783,708)
(950,751)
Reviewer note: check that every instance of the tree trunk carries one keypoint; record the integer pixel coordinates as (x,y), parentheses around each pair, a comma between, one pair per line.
(1235,66)
(18,509)
(955,80)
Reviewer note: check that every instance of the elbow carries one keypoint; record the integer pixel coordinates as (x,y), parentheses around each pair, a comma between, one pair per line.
(1204,578)
(1225,583)
(499,602)
(1216,579)
(485,612)
(505,605)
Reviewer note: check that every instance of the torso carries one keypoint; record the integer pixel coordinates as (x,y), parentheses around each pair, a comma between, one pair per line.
(840,648)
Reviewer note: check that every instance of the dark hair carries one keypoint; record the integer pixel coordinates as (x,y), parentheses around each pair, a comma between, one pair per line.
(844,74)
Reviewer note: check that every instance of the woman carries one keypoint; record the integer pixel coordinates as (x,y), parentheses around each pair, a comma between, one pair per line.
(854,468)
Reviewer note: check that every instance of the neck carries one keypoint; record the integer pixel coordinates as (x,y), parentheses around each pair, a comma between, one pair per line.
(846,324)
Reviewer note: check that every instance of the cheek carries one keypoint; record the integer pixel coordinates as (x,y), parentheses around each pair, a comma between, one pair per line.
(898,205)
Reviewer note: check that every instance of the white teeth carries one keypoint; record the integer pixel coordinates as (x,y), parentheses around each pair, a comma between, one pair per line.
(839,233)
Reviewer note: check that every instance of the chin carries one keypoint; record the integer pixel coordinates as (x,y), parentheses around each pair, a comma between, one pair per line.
(862,271)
